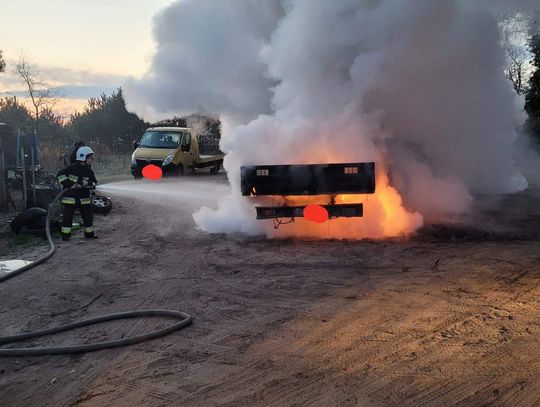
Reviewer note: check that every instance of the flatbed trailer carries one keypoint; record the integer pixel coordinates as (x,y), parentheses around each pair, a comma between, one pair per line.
(308,180)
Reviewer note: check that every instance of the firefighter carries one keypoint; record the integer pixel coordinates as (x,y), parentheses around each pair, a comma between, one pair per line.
(78,177)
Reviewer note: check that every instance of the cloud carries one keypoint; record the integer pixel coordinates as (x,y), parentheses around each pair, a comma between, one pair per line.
(65,76)
(82,84)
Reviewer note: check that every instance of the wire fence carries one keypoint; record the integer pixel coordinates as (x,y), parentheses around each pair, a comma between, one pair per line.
(29,179)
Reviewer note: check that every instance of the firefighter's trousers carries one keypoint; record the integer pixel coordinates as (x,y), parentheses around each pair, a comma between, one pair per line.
(85,208)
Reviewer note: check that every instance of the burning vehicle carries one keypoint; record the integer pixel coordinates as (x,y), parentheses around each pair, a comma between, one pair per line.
(300,189)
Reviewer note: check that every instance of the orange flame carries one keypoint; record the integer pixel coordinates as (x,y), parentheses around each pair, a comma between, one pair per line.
(384,216)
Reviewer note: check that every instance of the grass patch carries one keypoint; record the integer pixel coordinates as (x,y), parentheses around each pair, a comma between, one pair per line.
(11,243)
(112,165)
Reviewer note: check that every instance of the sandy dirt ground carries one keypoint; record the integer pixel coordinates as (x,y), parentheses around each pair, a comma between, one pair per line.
(450,317)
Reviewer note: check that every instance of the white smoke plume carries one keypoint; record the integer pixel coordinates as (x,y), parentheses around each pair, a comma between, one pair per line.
(417,86)
(208,56)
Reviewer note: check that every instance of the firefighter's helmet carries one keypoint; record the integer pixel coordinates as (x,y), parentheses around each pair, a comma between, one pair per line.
(83,153)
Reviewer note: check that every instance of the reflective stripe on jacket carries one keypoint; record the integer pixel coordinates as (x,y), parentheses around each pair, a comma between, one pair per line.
(77,173)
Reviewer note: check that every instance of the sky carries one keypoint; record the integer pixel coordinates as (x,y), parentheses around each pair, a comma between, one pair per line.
(92,43)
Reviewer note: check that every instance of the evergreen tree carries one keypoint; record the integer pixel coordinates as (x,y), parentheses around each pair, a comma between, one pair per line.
(16,115)
(106,122)
(20,120)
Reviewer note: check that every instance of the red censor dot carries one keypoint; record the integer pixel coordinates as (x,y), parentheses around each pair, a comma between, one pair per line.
(152,171)
(316,213)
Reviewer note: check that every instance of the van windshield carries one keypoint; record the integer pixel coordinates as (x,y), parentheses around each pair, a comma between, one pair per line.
(160,139)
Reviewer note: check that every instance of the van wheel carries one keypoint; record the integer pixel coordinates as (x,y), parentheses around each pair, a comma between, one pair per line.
(175,171)
(215,168)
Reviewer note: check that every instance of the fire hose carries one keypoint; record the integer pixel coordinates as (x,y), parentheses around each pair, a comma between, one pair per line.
(184,319)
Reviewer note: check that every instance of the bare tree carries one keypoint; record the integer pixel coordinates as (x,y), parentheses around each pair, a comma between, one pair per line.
(516,32)
(518,72)
(41,96)
(2,62)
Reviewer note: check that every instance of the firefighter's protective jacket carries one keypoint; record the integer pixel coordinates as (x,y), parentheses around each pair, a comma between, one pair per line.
(76,173)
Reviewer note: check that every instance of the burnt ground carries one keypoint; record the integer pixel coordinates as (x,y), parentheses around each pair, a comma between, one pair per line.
(450,317)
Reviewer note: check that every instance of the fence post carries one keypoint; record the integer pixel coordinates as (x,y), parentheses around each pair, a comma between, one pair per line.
(33,169)
(17,155)
(23,162)
(3,177)
(35,147)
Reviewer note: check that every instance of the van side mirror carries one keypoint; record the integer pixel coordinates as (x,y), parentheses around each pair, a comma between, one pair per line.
(185,148)
(135,145)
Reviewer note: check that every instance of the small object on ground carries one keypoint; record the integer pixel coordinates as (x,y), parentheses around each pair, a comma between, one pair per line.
(100,204)
(29,220)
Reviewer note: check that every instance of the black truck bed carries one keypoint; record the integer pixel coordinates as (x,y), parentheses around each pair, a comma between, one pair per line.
(308,179)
